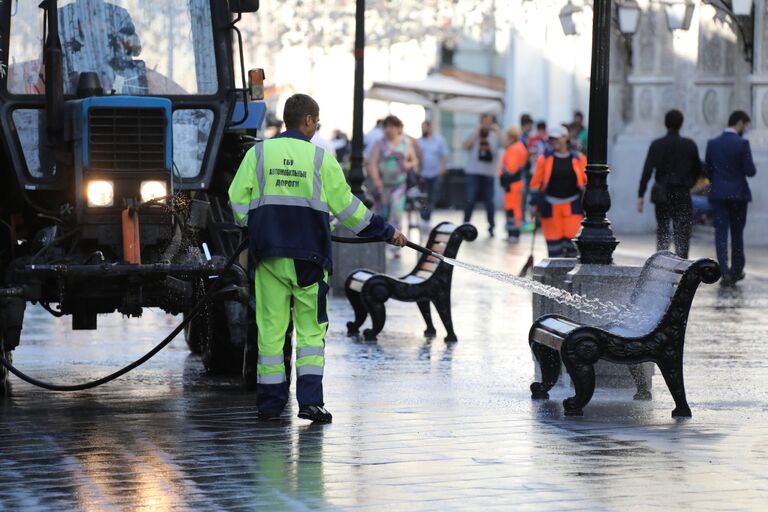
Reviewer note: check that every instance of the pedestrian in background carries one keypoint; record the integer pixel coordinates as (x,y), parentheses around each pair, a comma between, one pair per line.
(538,143)
(582,134)
(729,163)
(526,128)
(574,141)
(511,177)
(392,158)
(434,160)
(482,146)
(556,189)
(677,167)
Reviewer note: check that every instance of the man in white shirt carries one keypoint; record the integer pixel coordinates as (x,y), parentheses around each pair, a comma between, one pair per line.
(434,160)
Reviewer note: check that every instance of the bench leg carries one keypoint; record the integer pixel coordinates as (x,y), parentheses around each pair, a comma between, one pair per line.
(638,375)
(672,370)
(353,328)
(378,318)
(442,303)
(427,314)
(583,377)
(579,357)
(549,363)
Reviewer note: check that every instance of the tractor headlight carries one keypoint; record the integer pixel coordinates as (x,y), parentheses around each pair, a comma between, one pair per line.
(152,190)
(100,194)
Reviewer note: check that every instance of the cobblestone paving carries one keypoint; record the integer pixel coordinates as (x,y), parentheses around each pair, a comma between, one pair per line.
(418,424)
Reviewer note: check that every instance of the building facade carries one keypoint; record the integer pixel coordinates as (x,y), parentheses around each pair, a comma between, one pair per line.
(719,64)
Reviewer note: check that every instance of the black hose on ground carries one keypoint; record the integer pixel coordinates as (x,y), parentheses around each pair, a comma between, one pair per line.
(191,316)
(92,384)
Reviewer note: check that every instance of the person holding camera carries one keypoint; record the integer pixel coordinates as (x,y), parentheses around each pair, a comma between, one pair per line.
(482,146)
(677,165)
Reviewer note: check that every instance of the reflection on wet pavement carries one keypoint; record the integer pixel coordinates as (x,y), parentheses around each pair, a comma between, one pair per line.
(419,424)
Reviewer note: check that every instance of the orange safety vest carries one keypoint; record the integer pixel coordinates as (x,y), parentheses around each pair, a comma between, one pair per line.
(543,172)
(514,159)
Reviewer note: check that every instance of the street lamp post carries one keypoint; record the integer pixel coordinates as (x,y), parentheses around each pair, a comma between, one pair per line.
(356,175)
(596,241)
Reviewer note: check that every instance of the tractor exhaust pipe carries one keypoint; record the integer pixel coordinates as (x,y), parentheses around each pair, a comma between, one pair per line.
(54,74)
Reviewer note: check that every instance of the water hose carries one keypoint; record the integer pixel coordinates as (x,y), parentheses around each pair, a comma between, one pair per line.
(146,357)
(211,293)
(362,240)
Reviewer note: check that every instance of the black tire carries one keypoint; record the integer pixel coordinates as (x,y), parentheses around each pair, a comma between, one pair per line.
(5,383)
(220,356)
(192,335)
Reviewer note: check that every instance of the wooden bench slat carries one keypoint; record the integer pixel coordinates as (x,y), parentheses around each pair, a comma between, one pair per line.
(446,228)
(548,339)
(559,325)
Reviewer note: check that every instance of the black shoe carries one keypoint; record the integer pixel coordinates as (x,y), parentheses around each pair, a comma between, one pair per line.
(726,281)
(490,232)
(269,416)
(315,413)
(739,277)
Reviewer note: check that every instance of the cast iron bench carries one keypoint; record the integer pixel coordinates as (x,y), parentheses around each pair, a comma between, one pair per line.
(429,281)
(663,295)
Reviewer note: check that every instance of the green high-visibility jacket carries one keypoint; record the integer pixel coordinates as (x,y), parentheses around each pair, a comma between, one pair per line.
(286,190)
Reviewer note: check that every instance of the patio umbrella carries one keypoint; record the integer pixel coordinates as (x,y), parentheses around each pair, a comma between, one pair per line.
(441,93)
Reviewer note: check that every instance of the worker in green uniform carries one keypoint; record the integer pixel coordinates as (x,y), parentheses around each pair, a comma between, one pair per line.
(285,192)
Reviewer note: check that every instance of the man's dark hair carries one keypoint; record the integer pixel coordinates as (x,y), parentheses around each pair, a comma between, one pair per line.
(739,115)
(392,121)
(297,107)
(578,114)
(541,125)
(526,119)
(673,120)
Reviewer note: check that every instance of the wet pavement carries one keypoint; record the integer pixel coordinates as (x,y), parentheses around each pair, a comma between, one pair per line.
(418,424)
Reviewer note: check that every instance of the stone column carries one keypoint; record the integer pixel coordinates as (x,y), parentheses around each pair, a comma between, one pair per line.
(651,89)
(757,221)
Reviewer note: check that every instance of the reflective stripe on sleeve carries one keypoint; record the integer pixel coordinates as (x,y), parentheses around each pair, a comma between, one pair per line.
(309,370)
(240,212)
(270,378)
(266,360)
(363,223)
(310,351)
(317,187)
(288,201)
(350,210)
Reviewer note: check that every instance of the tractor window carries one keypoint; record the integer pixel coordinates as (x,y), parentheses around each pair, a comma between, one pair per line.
(137,47)
(191,129)
(28,123)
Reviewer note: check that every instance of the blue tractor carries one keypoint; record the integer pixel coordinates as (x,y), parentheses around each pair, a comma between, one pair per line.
(123,122)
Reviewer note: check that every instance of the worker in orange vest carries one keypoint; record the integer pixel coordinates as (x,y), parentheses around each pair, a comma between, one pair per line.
(556,190)
(511,177)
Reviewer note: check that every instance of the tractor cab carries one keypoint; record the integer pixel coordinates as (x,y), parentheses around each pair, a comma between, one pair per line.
(123,122)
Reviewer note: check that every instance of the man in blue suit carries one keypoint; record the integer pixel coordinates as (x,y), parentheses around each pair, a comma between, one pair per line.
(729,163)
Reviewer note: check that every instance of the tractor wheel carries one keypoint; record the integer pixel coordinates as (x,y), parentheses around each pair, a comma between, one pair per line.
(5,385)
(192,335)
(220,356)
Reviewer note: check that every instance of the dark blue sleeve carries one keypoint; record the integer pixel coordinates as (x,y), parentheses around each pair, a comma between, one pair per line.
(378,228)
(747,162)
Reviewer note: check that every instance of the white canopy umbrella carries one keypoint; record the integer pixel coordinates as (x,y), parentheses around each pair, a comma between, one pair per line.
(441,93)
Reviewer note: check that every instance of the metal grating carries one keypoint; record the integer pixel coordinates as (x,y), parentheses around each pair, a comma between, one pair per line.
(126,139)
